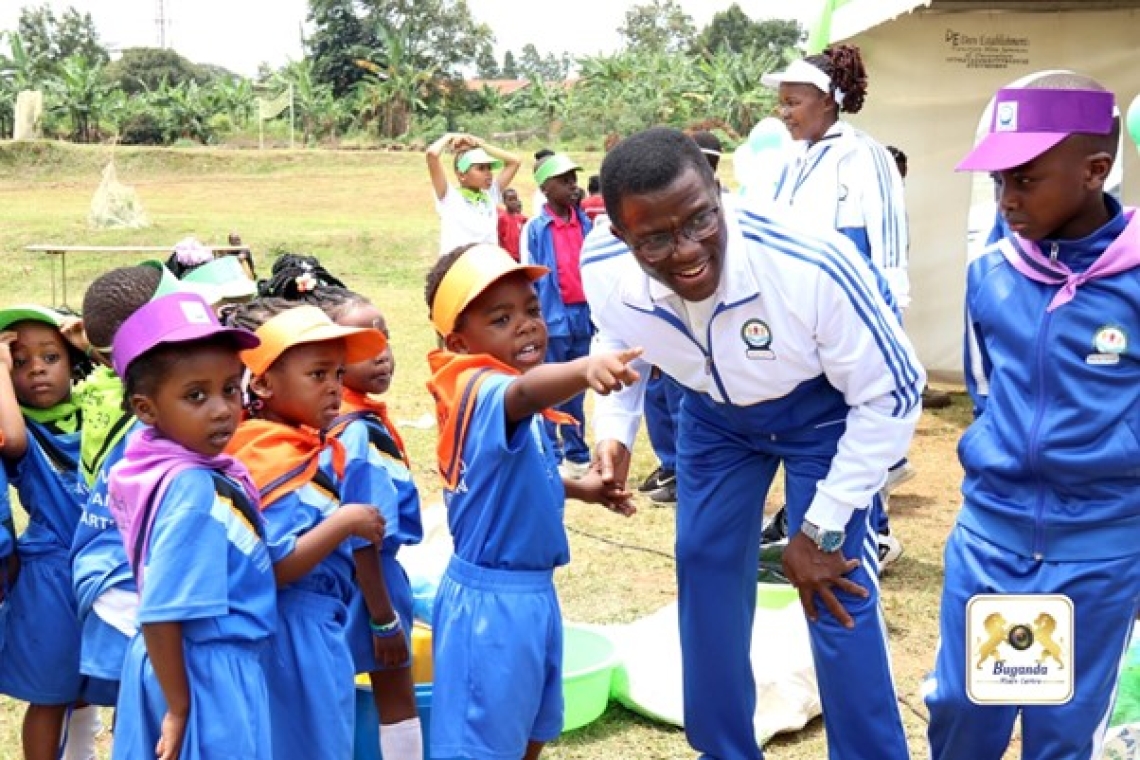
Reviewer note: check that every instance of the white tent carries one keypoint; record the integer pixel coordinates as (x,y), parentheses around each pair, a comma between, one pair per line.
(933,65)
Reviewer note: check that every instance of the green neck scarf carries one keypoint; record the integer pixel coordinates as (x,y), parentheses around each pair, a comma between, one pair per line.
(100,397)
(474,196)
(64,416)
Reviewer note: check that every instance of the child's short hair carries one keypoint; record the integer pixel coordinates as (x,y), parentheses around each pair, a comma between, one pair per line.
(254,314)
(294,274)
(113,297)
(594,184)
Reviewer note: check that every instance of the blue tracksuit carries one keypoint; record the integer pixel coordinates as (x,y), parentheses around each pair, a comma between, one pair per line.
(1051,490)
(662,407)
(799,362)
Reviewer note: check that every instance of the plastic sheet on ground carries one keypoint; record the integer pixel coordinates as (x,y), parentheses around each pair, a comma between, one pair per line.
(115,205)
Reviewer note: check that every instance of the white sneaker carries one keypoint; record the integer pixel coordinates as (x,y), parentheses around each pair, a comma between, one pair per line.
(897,476)
(573,470)
(890,549)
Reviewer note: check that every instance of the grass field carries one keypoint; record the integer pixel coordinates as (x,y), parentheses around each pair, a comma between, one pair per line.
(370,218)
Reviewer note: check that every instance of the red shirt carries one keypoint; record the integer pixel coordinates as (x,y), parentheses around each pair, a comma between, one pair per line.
(510,228)
(567,238)
(592,206)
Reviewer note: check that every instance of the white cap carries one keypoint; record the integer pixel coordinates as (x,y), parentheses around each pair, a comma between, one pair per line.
(799,72)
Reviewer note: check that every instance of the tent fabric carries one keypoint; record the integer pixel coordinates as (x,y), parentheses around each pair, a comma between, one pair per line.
(931,74)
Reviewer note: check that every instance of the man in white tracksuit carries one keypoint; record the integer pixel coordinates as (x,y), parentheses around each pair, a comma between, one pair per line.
(787,353)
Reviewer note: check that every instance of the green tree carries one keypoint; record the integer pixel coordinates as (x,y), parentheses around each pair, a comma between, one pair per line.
(734,31)
(57,39)
(510,68)
(440,35)
(488,67)
(145,68)
(339,38)
(80,92)
(659,25)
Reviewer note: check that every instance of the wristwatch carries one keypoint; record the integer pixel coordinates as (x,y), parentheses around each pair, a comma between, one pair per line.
(828,541)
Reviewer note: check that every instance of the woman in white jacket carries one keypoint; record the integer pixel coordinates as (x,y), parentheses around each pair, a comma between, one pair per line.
(837,175)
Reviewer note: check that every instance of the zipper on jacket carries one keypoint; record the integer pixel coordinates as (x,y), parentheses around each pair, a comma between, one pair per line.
(1054,249)
(1034,450)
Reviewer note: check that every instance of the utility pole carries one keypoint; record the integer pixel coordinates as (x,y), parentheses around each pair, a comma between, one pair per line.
(161,21)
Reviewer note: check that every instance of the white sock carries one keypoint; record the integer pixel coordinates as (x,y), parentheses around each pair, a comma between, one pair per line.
(81,731)
(402,741)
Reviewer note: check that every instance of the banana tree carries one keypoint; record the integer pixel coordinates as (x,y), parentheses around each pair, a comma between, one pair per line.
(80,92)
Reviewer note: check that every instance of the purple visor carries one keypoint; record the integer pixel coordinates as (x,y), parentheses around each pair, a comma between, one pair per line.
(1028,122)
(173,318)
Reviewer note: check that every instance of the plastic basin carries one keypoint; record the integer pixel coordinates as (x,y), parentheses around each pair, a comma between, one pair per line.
(775,596)
(588,660)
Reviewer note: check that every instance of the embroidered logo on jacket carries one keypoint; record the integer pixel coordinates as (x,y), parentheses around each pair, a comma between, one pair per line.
(757,339)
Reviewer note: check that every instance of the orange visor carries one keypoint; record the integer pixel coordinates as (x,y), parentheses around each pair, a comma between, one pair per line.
(477,269)
(308,324)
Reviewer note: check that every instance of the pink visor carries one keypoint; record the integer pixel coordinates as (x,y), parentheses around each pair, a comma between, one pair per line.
(1028,122)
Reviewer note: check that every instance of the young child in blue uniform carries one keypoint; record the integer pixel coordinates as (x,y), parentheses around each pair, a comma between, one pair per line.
(300,471)
(103,583)
(497,641)
(192,683)
(1051,491)
(364,425)
(39,663)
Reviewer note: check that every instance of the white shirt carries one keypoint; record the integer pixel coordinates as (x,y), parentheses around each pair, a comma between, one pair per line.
(462,221)
(820,303)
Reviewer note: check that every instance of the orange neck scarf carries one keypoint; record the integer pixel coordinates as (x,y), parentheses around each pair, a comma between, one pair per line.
(282,458)
(454,384)
(355,401)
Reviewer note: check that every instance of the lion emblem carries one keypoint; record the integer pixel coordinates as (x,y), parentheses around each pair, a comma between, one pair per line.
(997,629)
(1043,628)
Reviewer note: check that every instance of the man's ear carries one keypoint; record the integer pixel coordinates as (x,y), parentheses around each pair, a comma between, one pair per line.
(144,409)
(261,386)
(1097,167)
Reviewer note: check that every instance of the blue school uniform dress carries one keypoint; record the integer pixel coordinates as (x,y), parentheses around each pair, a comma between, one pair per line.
(7,549)
(376,473)
(40,659)
(104,586)
(497,634)
(1051,491)
(309,666)
(795,360)
(207,567)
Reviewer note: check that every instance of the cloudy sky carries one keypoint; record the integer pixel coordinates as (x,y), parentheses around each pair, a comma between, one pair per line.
(240,34)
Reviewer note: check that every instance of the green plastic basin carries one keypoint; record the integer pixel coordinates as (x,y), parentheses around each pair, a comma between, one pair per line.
(588,661)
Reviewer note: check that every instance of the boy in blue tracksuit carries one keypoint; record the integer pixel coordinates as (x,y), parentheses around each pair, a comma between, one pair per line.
(1052,490)
(553,239)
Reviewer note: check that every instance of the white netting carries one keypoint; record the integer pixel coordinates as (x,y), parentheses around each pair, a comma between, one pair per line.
(115,205)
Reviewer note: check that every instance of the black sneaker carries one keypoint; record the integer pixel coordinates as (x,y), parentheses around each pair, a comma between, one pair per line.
(658,479)
(776,531)
(666,495)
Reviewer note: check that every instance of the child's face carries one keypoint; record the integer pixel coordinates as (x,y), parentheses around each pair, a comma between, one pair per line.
(1051,196)
(512,202)
(562,191)
(41,367)
(477,177)
(303,387)
(371,375)
(198,403)
(506,322)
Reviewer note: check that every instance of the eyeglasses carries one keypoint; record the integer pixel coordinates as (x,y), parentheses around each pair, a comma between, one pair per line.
(659,246)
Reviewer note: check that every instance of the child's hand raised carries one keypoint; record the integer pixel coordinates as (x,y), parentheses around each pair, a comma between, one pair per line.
(610,371)
(364,521)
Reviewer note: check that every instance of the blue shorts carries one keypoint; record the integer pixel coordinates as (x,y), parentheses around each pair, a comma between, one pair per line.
(497,649)
(39,662)
(360,635)
(312,698)
(229,704)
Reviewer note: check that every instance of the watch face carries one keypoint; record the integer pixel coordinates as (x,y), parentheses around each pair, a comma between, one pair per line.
(830,540)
